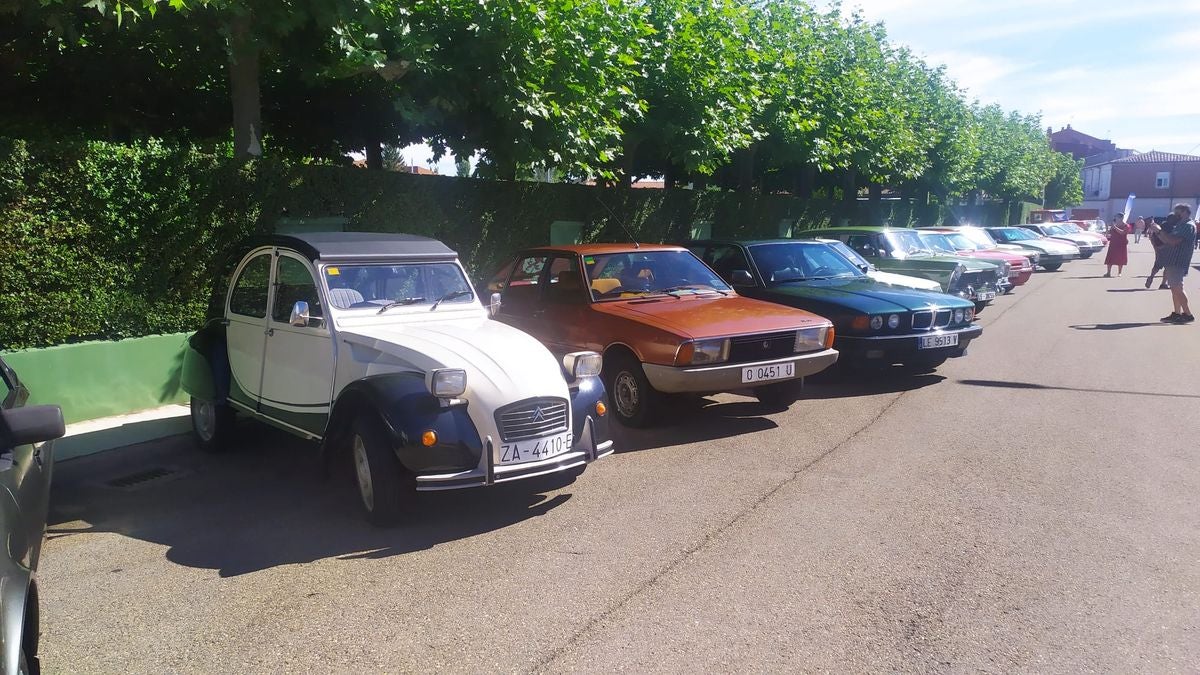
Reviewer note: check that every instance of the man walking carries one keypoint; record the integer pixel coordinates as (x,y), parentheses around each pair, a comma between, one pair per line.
(1175,256)
(1139,226)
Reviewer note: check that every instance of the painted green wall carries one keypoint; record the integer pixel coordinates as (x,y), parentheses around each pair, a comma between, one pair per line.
(99,379)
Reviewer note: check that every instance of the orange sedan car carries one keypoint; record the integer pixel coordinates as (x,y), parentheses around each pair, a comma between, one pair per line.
(664,322)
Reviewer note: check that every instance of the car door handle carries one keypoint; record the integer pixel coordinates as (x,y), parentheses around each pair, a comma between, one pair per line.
(270,332)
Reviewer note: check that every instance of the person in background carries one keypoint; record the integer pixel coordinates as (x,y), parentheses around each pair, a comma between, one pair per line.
(1152,231)
(1118,245)
(1175,256)
(1139,226)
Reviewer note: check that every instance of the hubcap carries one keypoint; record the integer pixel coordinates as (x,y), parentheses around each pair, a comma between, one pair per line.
(626,394)
(362,469)
(204,419)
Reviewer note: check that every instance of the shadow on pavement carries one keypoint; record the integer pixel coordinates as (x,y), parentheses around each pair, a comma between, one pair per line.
(265,504)
(1131,290)
(693,419)
(1118,326)
(852,384)
(1046,387)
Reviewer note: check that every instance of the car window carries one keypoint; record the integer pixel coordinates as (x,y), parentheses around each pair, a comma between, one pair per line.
(863,244)
(500,280)
(724,259)
(412,284)
(294,283)
(9,379)
(624,275)
(249,297)
(523,288)
(564,283)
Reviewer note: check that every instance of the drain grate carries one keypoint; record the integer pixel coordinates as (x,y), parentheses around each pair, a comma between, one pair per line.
(140,478)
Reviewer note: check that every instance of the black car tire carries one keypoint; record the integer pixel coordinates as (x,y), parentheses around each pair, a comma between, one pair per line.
(1051,267)
(212,425)
(384,487)
(633,399)
(779,394)
(980,306)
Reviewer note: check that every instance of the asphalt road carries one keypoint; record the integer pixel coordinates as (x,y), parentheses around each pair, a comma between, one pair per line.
(1032,507)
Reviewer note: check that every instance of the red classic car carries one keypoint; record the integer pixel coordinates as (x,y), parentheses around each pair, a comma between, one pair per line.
(950,240)
(664,321)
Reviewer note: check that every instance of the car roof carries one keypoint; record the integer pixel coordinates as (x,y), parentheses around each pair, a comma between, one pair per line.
(602,249)
(363,246)
(860,228)
(808,241)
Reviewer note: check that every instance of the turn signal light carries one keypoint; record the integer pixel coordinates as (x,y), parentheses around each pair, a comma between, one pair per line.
(861,322)
(829,338)
(686,352)
(429,438)
(601,408)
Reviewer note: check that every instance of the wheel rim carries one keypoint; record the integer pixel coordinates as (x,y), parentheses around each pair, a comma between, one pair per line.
(627,394)
(204,419)
(362,469)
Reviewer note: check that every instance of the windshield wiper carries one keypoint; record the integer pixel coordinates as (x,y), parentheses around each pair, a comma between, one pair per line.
(691,287)
(791,279)
(449,296)
(398,303)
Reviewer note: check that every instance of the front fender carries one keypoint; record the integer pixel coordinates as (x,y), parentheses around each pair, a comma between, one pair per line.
(585,417)
(408,410)
(205,373)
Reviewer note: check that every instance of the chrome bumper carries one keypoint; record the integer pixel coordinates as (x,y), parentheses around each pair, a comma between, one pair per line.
(728,376)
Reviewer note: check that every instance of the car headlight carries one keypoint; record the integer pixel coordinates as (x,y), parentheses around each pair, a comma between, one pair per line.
(958,316)
(956,276)
(876,322)
(447,382)
(1005,270)
(894,321)
(702,352)
(969,314)
(583,364)
(812,339)
(1035,259)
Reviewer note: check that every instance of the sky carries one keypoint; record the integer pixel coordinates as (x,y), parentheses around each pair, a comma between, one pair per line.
(1121,70)
(1125,71)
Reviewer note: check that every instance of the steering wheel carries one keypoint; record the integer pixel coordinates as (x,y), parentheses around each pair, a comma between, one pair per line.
(821,271)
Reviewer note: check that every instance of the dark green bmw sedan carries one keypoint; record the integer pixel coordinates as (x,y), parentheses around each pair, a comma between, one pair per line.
(877,324)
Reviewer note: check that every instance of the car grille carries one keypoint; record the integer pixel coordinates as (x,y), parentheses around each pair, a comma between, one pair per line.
(928,320)
(532,418)
(761,347)
(978,279)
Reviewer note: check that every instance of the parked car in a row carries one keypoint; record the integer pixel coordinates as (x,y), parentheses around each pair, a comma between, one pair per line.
(1086,242)
(1051,253)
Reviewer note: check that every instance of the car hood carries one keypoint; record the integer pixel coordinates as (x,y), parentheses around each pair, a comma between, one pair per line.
(863,295)
(1048,246)
(942,262)
(904,281)
(1014,259)
(1076,239)
(703,316)
(502,363)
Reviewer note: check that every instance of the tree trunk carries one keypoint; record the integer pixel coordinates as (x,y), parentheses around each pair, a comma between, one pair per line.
(629,147)
(806,178)
(243,89)
(743,160)
(374,153)
(669,177)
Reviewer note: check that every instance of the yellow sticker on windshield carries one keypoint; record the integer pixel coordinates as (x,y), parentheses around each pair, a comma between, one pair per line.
(332,271)
(589,260)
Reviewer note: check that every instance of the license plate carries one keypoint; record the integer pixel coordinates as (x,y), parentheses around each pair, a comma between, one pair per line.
(984,296)
(535,450)
(937,341)
(779,371)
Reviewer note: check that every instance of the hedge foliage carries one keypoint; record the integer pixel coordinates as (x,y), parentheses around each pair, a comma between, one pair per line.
(108,241)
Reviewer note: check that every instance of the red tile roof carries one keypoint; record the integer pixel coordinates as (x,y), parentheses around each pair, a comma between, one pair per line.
(1154,156)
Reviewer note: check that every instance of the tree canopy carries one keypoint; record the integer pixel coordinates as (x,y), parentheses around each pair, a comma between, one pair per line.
(750,94)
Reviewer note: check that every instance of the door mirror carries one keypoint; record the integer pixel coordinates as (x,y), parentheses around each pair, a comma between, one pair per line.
(299,316)
(31,424)
(741,278)
(494,305)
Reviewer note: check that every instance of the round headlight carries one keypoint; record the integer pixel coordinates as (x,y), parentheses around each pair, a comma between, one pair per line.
(876,322)
(958,316)
(969,314)
(893,321)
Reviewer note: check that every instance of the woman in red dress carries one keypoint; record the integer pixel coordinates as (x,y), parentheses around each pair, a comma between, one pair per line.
(1118,245)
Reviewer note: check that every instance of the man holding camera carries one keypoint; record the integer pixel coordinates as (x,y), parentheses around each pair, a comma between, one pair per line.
(1175,257)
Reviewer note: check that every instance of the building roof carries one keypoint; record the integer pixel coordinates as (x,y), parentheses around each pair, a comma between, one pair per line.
(1156,157)
(363,246)
(1073,135)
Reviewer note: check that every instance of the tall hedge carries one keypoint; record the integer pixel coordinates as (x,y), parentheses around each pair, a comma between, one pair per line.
(107,241)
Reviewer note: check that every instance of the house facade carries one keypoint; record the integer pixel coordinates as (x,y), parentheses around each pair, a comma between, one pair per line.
(1158,180)
(1078,144)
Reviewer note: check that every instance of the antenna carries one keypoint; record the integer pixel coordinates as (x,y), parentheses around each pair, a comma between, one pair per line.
(620,222)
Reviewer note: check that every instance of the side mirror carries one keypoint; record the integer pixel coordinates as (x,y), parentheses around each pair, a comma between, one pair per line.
(494,305)
(299,316)
(31,424)
(741,278)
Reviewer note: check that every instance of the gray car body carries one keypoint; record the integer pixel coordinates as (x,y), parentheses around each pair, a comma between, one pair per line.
(25,472)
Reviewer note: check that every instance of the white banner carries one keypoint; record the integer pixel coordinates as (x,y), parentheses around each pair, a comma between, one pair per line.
(1129,208)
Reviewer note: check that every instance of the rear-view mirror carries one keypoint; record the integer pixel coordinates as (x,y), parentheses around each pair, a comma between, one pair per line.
(494,305)
(31,424)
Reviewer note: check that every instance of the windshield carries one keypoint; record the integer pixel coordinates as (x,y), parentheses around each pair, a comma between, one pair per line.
(1057,229)
(375,286)
(938,242)
(784,262)
(850,254)
(961,242)
(1013,234)
(632,274)
(906,243)
(980,238)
